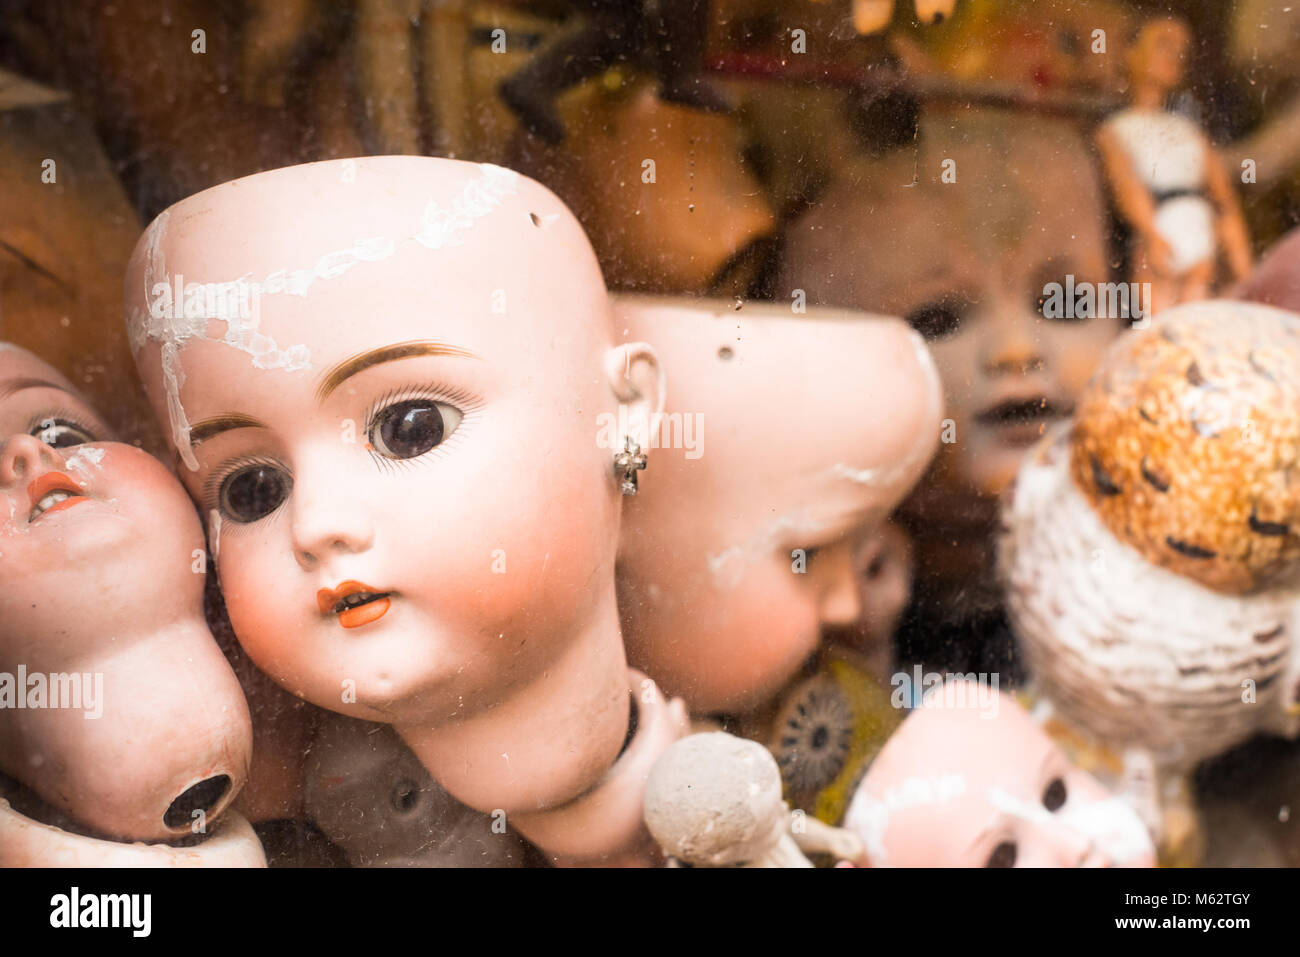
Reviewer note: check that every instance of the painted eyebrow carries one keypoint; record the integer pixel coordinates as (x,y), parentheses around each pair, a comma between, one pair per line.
(17,385)
(336,376)
(209,428)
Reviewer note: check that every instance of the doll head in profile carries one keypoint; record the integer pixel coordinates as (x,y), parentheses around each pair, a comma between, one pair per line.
(386,399)
(963,236)
(786,442)
(101,584)
(969,780)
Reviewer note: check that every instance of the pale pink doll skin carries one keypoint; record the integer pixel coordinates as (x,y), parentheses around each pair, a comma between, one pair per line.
(104,583)
(970,780)
(806,430)
(27,842)
(495,651)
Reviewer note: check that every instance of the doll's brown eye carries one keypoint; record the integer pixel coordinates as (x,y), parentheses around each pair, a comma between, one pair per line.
(1055,795)
(410,428)
(936,320)
(1004,855)
(60,434)
(253,492)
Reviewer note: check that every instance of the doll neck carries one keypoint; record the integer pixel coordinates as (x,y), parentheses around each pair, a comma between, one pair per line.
(1149,96)
(546,743)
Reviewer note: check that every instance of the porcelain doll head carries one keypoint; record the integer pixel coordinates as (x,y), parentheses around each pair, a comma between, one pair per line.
(130,719)
(968,263)
(969,780)
(396,446)
(787,440)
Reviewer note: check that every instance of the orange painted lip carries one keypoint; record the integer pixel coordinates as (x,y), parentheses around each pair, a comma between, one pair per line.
(55,482)
(328,601)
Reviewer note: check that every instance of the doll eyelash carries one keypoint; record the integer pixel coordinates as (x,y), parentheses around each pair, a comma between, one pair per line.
(212,485)
(465,401)
(63,415)
(462,399)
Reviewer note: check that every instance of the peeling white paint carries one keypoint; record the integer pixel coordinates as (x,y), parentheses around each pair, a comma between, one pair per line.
(441,227)
(84,458)
(868,816)
(438,228)
(1109,825)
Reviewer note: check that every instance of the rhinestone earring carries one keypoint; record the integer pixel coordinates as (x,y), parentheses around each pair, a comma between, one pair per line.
(627,463)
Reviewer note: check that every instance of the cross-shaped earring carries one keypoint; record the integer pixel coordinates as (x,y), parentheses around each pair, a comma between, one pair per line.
(627,463)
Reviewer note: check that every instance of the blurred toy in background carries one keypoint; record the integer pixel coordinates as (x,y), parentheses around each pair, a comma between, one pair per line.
(884,570)
(969,780)
(120,711)
(669,35)
(1151,556)
(1168,182)
(731,562)
(962,233)
(66,231)
(663,191)
(827,728)
(506,677)
(872,16)
(370,795)
(714,800)
(1275,281)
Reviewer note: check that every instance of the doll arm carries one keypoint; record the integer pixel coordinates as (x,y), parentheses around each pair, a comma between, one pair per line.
(1134,200)
(1231,224)
(817,837)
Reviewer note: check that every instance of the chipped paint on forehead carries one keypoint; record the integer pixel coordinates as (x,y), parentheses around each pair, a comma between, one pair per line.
(869,816)
(172,328)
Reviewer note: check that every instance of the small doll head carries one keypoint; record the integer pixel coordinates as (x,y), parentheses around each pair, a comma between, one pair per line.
(101,589)
(386,379)
(787,442)
(1158,54)
(1186,444)
(969,780)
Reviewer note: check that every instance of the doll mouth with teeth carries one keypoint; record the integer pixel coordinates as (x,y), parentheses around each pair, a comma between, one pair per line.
(355,603)
(53,492)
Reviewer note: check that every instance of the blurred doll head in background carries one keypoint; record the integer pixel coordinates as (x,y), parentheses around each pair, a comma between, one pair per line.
(969,780)
(963,234)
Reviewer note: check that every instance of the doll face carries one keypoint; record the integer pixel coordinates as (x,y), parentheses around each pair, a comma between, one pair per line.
(966,263)
(98,579)
(1159,52)
(745,542)
(967,785)
(72,502)
(408,513)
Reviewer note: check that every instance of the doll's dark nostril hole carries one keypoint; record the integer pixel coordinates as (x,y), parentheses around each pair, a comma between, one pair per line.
(198,797)
(537,220)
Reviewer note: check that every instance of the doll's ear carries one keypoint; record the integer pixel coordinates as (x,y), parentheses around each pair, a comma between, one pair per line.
(638,382)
